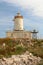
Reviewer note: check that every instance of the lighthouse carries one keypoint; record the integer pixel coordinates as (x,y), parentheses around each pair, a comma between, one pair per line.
(18,29)
(18,22)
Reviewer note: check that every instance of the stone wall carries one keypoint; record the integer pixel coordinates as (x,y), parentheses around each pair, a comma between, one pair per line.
(18,24)
(19,34)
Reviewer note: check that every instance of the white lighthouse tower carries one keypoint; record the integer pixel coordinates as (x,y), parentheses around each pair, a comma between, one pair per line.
(18,31)
(18,22)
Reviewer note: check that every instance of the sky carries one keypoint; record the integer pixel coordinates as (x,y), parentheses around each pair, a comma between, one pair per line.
(32,11)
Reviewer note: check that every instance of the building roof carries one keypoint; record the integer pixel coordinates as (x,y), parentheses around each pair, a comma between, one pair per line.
(18,15)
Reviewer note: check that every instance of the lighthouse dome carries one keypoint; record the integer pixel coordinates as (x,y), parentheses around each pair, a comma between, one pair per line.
(18,15)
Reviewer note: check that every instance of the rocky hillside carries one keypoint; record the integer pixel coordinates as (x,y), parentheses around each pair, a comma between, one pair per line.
(14,51)
(24,59)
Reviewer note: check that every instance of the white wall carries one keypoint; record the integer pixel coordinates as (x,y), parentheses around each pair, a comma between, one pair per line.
(18,24)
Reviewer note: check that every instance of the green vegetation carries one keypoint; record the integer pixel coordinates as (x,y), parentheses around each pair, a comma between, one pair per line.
(41,62)
(19,46)
(10,47)
(37,48)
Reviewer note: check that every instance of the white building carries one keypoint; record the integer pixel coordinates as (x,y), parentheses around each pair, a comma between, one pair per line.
(18,21)
(19,31)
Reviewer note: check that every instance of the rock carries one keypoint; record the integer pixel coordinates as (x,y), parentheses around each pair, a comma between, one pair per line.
(24,59)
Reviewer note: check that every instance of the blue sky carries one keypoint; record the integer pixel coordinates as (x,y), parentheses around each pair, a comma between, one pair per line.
(32,11)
